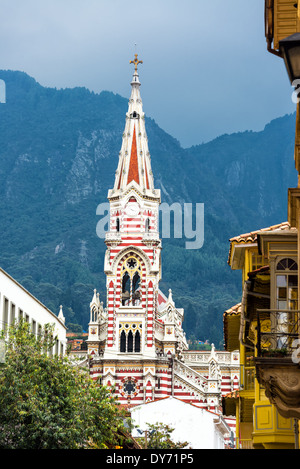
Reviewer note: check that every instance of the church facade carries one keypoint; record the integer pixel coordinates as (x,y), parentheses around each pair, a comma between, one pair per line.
(137,344)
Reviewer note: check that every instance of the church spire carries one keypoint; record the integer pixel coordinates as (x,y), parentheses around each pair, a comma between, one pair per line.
(134,157)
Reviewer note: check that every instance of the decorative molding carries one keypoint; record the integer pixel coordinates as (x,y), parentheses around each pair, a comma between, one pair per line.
(281,379)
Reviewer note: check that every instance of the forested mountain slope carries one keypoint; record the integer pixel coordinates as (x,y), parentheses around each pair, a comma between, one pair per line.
(58,156)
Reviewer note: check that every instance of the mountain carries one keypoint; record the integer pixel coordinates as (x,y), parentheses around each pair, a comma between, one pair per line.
(58,157)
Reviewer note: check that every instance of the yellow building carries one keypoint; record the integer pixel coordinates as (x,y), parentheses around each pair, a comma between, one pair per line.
(259,424)
(266,323)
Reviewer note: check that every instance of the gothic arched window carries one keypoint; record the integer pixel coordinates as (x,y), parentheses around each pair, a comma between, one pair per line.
(136,289)
(123,342)
(131,274)
(130,337)
(137,342)
(130,342)
(126,289)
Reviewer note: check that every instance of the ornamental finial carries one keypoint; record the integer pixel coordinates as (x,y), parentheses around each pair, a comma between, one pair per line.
(136,62)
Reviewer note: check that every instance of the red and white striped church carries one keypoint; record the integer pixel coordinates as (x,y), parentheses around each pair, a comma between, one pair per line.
(137,343)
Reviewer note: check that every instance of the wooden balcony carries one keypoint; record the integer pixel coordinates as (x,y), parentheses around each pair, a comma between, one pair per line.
(278,357)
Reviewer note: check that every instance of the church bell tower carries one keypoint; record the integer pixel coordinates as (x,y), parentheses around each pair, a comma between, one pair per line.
(136,344)
(132,261)
(127,338)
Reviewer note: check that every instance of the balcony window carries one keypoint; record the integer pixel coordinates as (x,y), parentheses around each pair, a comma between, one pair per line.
(278,333)
(287,284)
(287,299)
(287,291)
(287,264)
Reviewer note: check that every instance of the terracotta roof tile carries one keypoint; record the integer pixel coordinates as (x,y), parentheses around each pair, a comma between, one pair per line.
(133,172)
(252,236)
(236,309)
(233,394)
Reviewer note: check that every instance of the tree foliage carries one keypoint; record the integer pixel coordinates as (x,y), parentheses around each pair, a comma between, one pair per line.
(159,436)
(45,403)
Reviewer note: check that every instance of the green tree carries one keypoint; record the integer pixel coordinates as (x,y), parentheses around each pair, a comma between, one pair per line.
(159,437)
(45,403)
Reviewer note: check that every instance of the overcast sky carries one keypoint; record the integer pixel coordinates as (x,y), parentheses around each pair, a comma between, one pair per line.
(206,70)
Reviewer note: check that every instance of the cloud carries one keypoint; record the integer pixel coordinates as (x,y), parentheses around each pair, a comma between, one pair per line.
(206,70)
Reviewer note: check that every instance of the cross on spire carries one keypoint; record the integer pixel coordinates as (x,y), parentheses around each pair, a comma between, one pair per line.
(136,62)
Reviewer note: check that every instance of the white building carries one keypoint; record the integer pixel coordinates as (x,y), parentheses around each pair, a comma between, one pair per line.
(201,428)
(16,303)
